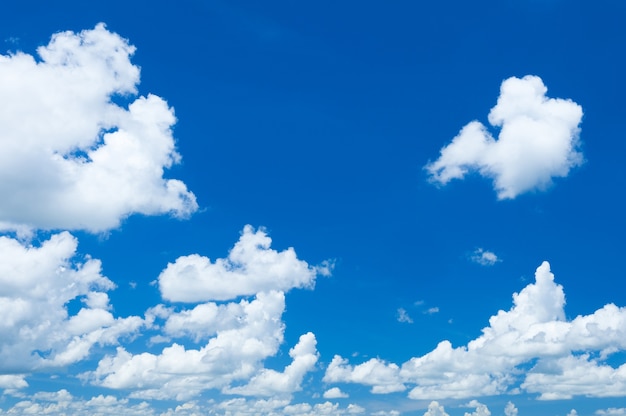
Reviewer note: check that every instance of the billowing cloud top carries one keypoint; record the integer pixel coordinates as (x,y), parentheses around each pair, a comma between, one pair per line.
(251,267)
(538,141)
(69,156)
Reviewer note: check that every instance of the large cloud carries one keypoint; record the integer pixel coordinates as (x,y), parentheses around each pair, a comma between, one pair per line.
(36,285)
(70,157)
(538,141)
(533,333)
(251,267)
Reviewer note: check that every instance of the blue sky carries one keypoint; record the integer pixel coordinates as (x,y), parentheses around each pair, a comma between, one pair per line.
(323,208)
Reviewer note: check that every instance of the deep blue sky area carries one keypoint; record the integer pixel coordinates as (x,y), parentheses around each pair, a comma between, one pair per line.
(316,122)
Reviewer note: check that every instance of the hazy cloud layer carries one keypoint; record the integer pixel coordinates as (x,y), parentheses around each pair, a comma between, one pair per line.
(70,157)
(538,141)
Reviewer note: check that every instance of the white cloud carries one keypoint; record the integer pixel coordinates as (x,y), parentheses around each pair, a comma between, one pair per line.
(272,383)
(538,141)
(533,332)
(432,311)
(69,156)
(435,409)
(403,316)
(510,409)
(335,393)
(251,267)
(36,284)
(383,377)
(481,409)
(484,257)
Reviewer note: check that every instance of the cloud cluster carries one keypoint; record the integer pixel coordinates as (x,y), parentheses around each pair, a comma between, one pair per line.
(70,157)
(534,332)
(237,336)
(538,141)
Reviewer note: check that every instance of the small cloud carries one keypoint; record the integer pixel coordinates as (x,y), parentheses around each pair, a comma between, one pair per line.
(431,311)
(403,316)
(484,257)
(335,393)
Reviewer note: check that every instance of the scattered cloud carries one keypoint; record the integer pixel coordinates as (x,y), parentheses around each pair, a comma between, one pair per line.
(70,156)
(432,311)
(484,257)
(538,141)
(251,267)
(403,316)
(534,332)
(335,393)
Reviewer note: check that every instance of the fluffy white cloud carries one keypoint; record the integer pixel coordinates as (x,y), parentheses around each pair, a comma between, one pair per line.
(70,157)
(538,141)
(484,257)
(534,330)
(272,383)
(335,393)
(383,377)
(435,409)
(251,267)
(36,284)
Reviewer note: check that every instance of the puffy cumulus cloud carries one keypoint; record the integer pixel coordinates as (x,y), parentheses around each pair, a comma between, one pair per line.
(70,157)
(484,257)
(481,409)
(273,383)
(335,393)
(36,284)
(383,377)
(533,334)
(251,267)
(435,409)
(510,409)
(538,141)
(252,333)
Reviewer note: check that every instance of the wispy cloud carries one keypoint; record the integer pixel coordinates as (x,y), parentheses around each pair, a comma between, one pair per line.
(403,316)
